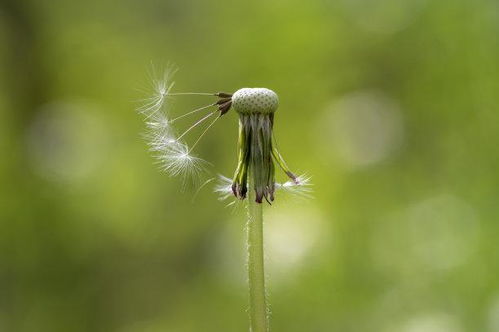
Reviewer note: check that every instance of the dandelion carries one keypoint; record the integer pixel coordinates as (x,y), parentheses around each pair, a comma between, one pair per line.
(254,177)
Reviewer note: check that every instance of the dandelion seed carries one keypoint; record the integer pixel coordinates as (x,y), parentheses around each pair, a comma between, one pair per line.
(224,187)
(301,187)
(154,104)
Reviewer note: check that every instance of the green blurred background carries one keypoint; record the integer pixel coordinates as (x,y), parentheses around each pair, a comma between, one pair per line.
(390,106)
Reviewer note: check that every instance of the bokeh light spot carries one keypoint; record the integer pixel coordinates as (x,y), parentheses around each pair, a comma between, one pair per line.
(66,141)
(435,322)
(364,129)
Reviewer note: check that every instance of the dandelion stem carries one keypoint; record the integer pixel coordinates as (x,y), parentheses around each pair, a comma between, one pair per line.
(256,273)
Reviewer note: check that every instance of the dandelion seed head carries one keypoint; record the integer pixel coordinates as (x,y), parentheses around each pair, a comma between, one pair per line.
(255,100)
(257,150)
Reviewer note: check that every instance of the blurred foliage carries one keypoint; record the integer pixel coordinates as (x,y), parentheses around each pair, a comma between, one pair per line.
(391,106)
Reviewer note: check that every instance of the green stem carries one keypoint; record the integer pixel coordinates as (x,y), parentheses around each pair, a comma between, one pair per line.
(256,274)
